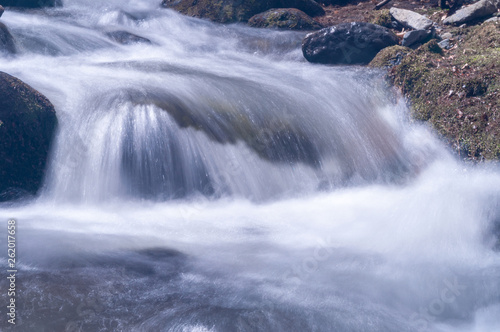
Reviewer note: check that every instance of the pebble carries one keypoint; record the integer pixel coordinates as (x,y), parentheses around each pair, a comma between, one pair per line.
(445,44)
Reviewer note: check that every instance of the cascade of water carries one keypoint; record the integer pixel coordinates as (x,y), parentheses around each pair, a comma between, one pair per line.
(212,180)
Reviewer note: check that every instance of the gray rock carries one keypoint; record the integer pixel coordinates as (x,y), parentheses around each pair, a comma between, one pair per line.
(446,35)
(347,43)
(445,44)
(493,19)
(6,40)
(410,19)
(415,36)
(478,10)
(1,10)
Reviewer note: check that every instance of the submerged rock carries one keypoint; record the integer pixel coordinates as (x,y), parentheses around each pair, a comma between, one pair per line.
(126,38)
(27,125)
(480,9)
(277,141)
(6,40)
(284,18)
(227,11)
(410,19)
(347,43)
(31,3)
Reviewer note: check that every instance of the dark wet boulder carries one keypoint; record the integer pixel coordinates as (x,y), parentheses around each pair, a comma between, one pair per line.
(27,124)
(31,3)
(347,43)
(1,10)
(227,11)
(6,40)
(127,38)
(284,18)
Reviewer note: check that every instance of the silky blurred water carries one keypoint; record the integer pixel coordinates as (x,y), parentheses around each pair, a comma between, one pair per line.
(212,180)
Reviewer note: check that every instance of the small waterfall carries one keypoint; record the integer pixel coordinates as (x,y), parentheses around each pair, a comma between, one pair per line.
(174,118)
(175,138)
(212,180)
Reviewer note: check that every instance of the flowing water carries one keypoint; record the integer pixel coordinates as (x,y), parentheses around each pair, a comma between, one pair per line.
(212,180)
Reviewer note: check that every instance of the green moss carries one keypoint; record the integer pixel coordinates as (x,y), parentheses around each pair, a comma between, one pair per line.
(287,18)
(432,46)
(382,18)
(228,12)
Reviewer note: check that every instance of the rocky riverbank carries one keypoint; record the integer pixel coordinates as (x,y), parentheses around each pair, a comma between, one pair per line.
(457,90)
(451,81)
(450,76)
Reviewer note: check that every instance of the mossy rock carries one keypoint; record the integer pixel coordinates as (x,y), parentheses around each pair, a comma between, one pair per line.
(390,56)
(228,11)
(27,124)
(431,46)
(459,95)
(284,18)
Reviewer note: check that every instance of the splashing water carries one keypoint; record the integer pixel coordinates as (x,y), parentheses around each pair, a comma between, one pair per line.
(212,180)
